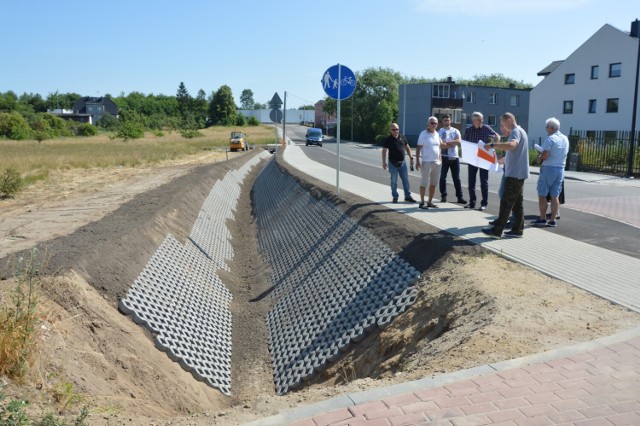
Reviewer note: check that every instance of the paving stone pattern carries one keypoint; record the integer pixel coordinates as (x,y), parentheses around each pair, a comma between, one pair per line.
(333,281)
(179,297)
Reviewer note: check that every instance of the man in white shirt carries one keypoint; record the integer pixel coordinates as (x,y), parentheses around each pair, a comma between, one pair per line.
(450,159)
(429,146)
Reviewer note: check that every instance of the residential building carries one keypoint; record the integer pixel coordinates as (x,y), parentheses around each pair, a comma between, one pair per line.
(94,108)
(591,90)
(419,101)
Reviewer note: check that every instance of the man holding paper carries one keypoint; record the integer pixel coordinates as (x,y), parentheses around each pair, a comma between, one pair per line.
(553,154)
(516,170)
(475,133)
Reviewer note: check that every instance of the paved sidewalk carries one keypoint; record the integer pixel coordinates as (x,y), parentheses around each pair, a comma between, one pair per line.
(608,274)
(593,383)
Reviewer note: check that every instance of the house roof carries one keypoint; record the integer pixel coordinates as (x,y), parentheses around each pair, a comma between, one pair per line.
(550,68)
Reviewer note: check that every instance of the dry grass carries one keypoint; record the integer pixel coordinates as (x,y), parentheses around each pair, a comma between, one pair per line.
(33,160)
(18,321)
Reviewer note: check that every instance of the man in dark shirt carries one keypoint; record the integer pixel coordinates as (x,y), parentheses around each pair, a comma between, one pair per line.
(474,133)
(396,146)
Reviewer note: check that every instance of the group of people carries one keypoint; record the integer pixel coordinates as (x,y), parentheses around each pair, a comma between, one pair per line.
(437,153)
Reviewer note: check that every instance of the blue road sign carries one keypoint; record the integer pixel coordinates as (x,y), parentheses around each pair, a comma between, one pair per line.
(346,82)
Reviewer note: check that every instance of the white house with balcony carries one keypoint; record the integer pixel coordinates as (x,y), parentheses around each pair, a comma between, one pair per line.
(592,89)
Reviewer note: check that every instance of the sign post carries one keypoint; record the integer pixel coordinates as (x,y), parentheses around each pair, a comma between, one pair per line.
(339,83)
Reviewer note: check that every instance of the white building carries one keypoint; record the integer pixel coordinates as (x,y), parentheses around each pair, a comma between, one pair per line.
(590,90)
(293,116)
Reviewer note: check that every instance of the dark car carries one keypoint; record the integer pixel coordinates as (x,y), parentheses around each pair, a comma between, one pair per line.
(314,137)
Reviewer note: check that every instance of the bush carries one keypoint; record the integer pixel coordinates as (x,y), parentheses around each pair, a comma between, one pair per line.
(253,121)
(130,130)
(533,157)
(14,126)
(86,129)
(241,120)
(10,182)
(18,321)
(158,132)
(108,122)
(190,134)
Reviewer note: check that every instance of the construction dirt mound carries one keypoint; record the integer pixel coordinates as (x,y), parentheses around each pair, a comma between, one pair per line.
(472,308)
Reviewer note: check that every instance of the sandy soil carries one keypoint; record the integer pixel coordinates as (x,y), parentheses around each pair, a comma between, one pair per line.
(465,315)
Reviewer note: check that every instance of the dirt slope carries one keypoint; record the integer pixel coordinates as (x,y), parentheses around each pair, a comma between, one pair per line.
(462,318)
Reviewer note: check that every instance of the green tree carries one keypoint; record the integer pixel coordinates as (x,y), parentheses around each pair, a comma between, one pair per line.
(185,102)
(258,105)
(246,99)
(14,126)
(8,101)
(200,109)
(241,120)
(494,80)
(307,107)
(222,108)
(374,104)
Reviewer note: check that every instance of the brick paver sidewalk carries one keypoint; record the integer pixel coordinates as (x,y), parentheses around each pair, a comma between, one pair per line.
(598,387)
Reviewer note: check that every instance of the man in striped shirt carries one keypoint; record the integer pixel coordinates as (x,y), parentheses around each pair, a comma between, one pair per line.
(474,133)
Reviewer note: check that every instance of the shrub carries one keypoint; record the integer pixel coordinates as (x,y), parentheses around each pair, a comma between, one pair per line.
(533,157)
(158,132)
(130,130)
(253,121)
(18,321)
(241,120)
(86,129)
(108,122)
(14,126)
(190,134)
(10,183)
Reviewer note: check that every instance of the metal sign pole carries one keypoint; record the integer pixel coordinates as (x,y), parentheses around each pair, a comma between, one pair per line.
(338,131)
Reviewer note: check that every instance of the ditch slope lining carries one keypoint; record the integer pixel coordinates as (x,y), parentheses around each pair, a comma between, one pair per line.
(461,318)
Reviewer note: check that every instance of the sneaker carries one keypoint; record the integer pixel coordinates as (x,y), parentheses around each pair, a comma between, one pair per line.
(513,234)
(443,199)
(433,206)
(422,206)
(470,206)
(394,201)
(410,200)
(549,216)
(461,201)
(552,223)
(482,208)
(540,223)
(490,232)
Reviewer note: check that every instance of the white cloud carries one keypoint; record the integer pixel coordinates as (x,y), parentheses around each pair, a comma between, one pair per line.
(496,7)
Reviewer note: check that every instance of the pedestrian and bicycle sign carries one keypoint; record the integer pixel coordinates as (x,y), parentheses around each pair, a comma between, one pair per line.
(339,82)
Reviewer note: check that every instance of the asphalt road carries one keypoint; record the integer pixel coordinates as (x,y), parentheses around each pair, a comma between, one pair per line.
(583,225)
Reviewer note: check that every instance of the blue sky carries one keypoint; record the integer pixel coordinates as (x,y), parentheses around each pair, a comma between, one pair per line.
(95,48)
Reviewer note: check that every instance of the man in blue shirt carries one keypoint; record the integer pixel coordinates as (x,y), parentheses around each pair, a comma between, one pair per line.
(475,133)
(554,156)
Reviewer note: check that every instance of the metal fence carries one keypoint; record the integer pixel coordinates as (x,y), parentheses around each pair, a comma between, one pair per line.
(603,152)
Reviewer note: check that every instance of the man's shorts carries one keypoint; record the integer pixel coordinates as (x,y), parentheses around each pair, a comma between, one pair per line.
(550,181)
(430,173)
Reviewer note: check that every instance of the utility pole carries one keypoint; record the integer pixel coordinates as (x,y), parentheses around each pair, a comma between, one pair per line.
(635,32)
(284,120)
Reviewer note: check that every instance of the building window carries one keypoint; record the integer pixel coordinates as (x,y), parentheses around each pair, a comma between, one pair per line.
(615,70)
(567,107)
(592,106)
(441,91)
(569,78)
(493,98)
(491,120)
(594,72)
(515,100)
(612,104)
(470,97)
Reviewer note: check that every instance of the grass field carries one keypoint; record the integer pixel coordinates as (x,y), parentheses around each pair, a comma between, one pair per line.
(33,160)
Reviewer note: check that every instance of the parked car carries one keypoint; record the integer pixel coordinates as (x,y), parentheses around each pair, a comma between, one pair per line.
(314,137)
(237,141)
